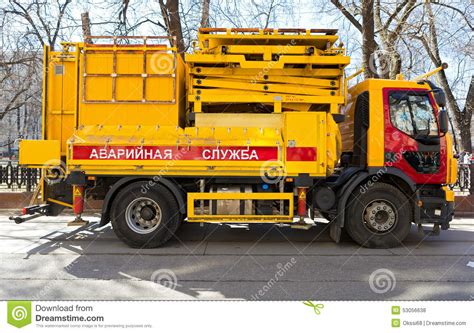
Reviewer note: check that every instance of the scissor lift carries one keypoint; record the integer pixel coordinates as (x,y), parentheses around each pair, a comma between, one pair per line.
(284,69)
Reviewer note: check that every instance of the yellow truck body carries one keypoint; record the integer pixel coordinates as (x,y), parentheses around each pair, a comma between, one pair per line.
(246,106)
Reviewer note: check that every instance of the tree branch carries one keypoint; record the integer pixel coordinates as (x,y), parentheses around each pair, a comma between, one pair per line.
(347,14)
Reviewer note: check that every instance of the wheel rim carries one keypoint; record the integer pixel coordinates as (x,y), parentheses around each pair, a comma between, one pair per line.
(380,216)
(143,215)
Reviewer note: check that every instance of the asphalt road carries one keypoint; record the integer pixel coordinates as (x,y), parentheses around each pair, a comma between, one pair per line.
(45,259)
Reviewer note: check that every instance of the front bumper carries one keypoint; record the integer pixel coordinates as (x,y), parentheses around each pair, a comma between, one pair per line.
(436,206)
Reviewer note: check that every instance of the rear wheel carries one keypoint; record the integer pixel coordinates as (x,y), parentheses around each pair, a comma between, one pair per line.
(145,218)
(379,217)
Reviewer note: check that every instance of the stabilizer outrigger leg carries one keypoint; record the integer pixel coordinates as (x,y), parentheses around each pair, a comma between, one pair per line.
(78,206)
(302,210)
(78,221)
(30,213)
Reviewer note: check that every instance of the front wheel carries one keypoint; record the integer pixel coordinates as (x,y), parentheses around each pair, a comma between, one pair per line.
(144,216)
(378,217)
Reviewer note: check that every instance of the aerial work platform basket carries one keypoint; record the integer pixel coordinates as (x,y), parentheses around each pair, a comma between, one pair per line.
(266,70)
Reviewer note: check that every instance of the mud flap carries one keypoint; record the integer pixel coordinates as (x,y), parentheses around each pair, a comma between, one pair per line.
(335,232)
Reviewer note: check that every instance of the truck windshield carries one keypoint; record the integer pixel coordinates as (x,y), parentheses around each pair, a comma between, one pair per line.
(413,114)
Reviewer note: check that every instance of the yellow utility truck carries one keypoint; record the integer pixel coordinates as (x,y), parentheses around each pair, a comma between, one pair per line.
(253,126)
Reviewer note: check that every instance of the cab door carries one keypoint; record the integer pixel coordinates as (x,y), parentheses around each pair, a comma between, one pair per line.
(413,142)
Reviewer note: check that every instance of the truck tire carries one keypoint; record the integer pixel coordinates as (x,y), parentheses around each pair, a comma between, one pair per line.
(379,217)
(145,219)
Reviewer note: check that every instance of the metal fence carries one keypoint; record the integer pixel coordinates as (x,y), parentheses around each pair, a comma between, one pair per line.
(14,178)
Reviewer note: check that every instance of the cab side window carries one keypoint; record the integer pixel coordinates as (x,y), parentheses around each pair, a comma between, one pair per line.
(423,115)
(412,113)
(400,115)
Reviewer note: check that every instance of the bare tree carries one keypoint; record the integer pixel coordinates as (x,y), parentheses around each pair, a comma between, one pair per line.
(462,117)
(390,35)
(21,62)
(170,13)
(36,16)
(18,70)
(20,87)
(368,39)
(123,15)
(399,27)
(86,27)
(205,14)
(366,28)
(389,24)
(348,15)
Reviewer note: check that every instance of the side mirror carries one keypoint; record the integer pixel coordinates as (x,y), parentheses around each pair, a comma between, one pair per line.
(438,93)
(443,121)
(440,97)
